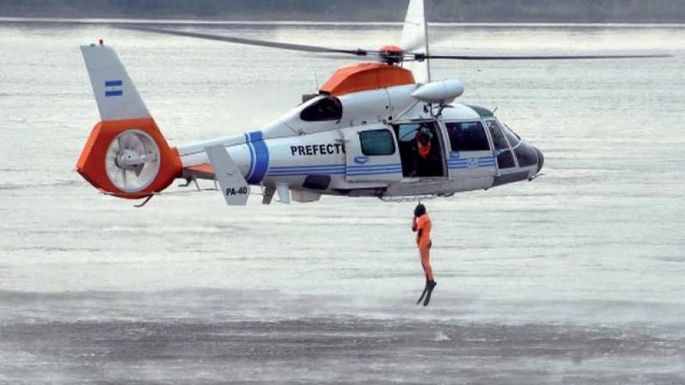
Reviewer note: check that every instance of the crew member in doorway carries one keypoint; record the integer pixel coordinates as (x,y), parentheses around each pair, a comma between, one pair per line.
(421,225)
(424,162)
(423,142)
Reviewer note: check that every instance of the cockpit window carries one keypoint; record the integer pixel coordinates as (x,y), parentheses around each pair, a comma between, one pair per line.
(505,158)
(497,136)
(525,154)
(467,136)
(326,109)
(514,139)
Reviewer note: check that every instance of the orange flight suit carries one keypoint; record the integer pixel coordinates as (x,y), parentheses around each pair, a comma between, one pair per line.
(422,226)
(423,143)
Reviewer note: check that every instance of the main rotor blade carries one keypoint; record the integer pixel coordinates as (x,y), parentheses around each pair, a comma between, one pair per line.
(420,57)
(254,42)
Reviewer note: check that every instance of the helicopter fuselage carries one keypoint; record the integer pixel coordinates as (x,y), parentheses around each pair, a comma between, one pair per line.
(371,131)
(383,143)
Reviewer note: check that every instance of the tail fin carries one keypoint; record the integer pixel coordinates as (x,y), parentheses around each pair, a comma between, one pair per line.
(415,39)
(115,93)
(126,154)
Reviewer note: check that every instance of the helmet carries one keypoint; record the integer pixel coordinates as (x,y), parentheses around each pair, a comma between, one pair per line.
(419,210)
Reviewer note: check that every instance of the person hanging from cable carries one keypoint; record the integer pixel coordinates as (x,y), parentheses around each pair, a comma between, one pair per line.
(421,225)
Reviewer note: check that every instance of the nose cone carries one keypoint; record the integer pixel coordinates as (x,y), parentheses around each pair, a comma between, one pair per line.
(541,159)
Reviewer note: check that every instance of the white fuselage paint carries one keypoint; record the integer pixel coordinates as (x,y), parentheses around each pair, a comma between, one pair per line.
(298,150)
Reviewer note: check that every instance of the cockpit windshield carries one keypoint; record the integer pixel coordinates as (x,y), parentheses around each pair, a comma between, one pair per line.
(505,158)
(511,150)
(514,139)
(525,154)
(497,135)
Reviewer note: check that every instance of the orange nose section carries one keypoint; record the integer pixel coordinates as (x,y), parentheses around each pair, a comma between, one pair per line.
(129,158)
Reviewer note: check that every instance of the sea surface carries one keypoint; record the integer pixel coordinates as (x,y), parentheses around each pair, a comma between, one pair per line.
(575,278)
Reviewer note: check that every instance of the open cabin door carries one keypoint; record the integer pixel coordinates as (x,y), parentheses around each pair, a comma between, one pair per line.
(371,154)
(421,148)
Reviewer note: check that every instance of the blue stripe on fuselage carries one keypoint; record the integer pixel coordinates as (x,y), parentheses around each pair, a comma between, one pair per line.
(279,168)
(261,158)
(252,158)
(377,169)
(323,169)
(455,162)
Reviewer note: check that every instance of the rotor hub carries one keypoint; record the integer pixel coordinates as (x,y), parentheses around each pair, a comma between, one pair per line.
(391,54)
(129,159)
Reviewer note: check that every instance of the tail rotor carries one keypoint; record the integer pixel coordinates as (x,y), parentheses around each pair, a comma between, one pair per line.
(132,161)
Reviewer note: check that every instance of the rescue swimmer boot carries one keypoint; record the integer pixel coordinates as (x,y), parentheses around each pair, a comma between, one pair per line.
(429,286)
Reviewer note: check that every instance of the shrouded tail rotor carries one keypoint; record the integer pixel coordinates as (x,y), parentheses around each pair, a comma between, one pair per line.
(132,161)
(129,159)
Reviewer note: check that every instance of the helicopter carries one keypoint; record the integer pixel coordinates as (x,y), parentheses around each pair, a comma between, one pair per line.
(380,128)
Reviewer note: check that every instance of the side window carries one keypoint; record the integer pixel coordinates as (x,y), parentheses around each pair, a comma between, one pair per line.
(497,136)
(325,109)
(377,142)
(467,136)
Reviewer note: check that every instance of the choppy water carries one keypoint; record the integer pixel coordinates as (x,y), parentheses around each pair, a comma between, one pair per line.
(575,278)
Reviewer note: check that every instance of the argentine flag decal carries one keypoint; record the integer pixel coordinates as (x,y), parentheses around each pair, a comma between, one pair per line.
(113,88)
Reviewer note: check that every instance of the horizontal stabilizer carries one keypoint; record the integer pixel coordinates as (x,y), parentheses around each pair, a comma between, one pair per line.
(233,185)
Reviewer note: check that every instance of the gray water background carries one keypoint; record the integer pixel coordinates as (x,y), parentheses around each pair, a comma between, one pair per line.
(574,278)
